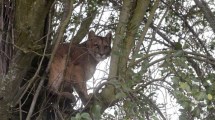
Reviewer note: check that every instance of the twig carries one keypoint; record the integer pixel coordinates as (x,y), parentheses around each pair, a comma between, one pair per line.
(155,107)
(61,29)
(148,23)
(31,81)
(20,110)
(35,98)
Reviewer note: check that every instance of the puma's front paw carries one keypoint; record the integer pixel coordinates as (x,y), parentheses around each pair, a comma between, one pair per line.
(68,96)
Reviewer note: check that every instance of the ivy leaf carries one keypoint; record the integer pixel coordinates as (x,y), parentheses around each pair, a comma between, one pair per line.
(78,116)
(210,97)
(120,95)
(178,53)
(177,46)
(201,96)
(138,55)
(196,112)
(86,116)
(183,85)
(96,112)
(154,117)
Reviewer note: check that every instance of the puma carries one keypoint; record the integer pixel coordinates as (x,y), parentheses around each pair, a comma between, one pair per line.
(78,67)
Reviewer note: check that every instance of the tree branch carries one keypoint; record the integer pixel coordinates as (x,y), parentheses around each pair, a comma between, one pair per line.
(108,93)
(65,20)
(209,15)
(133,26)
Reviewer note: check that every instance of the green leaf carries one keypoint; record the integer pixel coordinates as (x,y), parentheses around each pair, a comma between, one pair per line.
(154,117)
(78,116)
(186,46)
(96,112)
(196,111)
(138,55)
(120,95)
(210,97)
(178,46)
(201,96)
(73,118)
(85,116)
(185,86)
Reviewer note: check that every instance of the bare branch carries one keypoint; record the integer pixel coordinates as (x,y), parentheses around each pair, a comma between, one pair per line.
(61,30)
(209,15)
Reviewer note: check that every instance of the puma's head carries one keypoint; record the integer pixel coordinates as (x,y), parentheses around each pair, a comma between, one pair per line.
(99,47)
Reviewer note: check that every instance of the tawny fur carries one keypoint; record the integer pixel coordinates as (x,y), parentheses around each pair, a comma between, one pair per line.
(80,66)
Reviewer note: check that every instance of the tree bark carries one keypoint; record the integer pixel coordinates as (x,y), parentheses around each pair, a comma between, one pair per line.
(129,22)
(29,19)
(6,13)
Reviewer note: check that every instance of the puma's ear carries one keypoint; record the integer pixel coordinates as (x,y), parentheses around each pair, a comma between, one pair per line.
(91,34)
(109,36)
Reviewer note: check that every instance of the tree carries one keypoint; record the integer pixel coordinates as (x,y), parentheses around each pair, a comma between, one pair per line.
(158,46)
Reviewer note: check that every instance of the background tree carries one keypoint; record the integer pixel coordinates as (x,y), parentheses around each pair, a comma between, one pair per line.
(162,51)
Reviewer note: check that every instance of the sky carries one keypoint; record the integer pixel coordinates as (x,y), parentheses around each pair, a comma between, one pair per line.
(163,98)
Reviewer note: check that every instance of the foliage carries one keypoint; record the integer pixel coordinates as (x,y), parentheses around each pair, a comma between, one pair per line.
(162,63)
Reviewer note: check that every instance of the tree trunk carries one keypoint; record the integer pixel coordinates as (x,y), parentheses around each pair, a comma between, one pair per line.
(29,18)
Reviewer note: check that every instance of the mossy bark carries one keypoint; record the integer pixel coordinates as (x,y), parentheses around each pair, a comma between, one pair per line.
(129,21)
(29,19)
